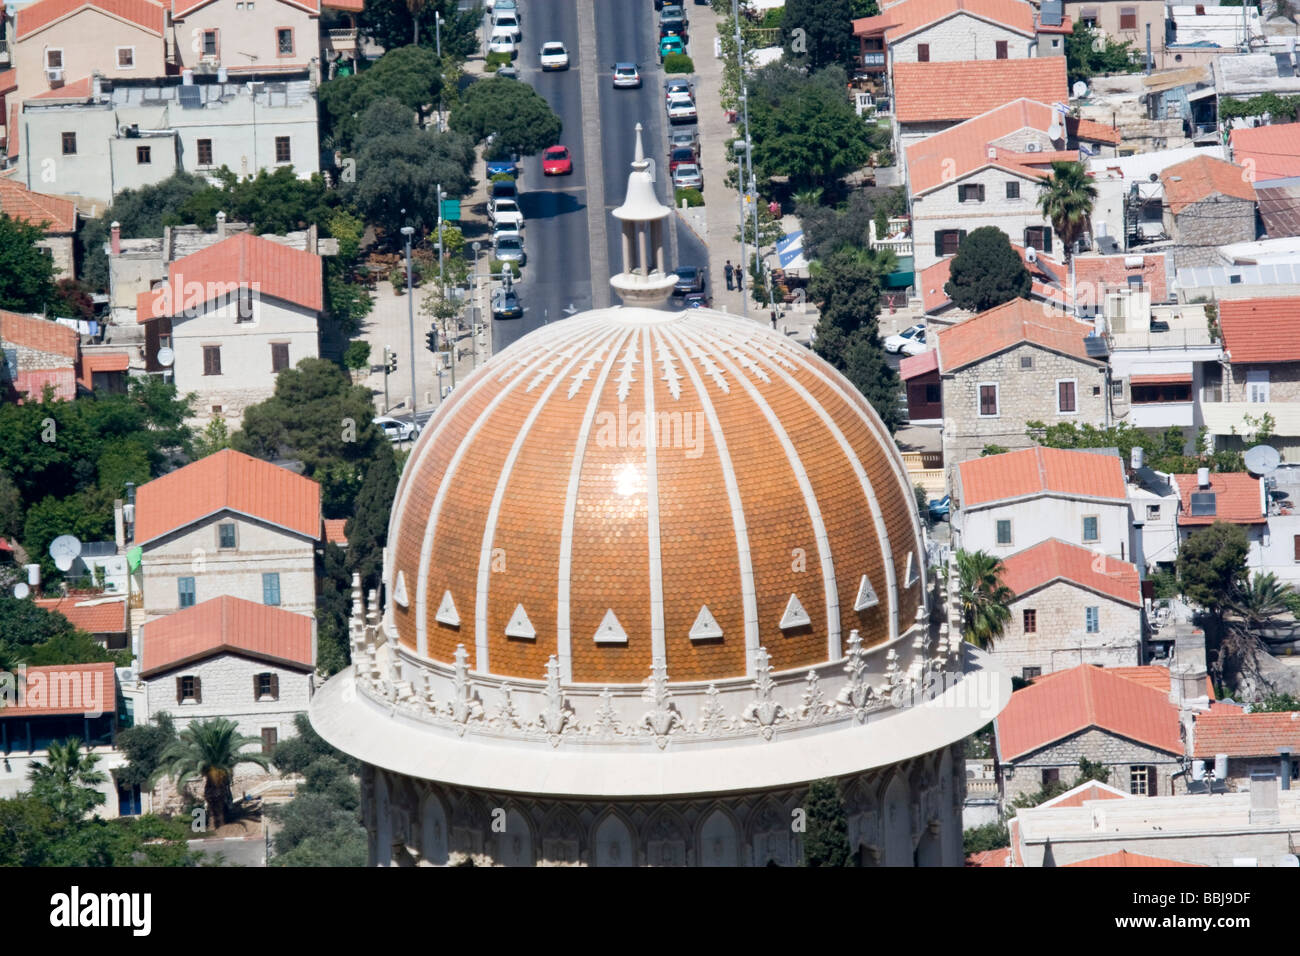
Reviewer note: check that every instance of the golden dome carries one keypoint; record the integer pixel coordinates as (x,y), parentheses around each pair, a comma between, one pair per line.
(630,486)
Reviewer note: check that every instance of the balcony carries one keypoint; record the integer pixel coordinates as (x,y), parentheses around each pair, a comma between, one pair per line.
(1243,418)
(5,56)
(341,41)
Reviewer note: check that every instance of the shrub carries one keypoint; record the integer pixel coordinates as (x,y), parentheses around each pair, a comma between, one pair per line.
(498,266)
(678,63)
(357,355)
(693,197)
(495,61)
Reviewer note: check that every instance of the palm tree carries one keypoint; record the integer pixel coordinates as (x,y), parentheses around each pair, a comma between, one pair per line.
(209,750)
(69,778)
(1066,202)
(985,599)
(1263,599)
(416,7)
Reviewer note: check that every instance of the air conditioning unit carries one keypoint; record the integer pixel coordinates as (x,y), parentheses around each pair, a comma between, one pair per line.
(54,75)
(1033,148)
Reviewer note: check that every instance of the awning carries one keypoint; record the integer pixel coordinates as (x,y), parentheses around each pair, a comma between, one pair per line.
(1201,94)
(913,366)
(1176,378)
(133,559)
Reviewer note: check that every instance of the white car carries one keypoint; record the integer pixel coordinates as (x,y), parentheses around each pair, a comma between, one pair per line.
(554,56)
(503,43)
(505,212)
(396,430)
(910,341)
(503,228)
(507,20)
(681,108)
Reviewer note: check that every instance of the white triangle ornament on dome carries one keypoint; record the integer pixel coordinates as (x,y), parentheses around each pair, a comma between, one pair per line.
(795,615)
(447,611)
(866,596)
(399,591)
(911,575)
(706,626)
(520,626)
(610,631)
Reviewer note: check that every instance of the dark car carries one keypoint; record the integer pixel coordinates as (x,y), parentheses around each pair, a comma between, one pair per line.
(683,154)
(668,10)
(505,305)
(689,279)
(675,26)
(504,189)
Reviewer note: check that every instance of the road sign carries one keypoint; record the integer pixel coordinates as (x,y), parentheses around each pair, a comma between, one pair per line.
(451,210)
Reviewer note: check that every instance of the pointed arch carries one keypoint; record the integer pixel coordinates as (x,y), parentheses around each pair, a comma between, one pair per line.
(718,840)
(612,840)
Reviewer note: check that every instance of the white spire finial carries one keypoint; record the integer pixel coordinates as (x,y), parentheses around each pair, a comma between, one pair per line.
(640,151)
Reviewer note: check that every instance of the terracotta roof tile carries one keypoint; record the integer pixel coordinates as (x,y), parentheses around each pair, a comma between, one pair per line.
(41,335)
(334,531)
(1017,321)
(1272,152)
(19,202)
(1237,499)
(913,15)
(1060,705)
(228,480)
(1246,735)
(1261,330)
(107,617)
(1038,470)
(1000,857)
(1125,858)
(101,362)
(348,6)
(76,90)
(183,8)
(1202,177)
(226,625)
(268,268)
(1092,131)
(961,89)
(1055,560)
(1089,789)
(1094,276)
(913,365)
(93,687)
(8,81)
(143,13)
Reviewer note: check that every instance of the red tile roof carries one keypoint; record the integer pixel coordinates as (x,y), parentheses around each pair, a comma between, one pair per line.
(1007,325)
(962,149)
(19,202)
(1000,857)
(1246,735)
(1261,330)
(913,15)
(143,13)
(1125,858)
(348,6)
(1270,152)
(1062,704)
(266,267)
(334,531)
(1039,471)
(183,8)
(1157,678)
(1055,560)
(961,89)
(93,618)
(912,366)
(41,335)
(226,625)
(1046,275)
(65,689)
(1174,378)
(76,90)
(1092,131)
(1237,499)
(101,362)
(8,81)
(228,481)
(1094,276)
(1202,177)
(32,382)
(1089,789)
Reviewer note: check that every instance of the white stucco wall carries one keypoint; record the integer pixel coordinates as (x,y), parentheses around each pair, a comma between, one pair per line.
(1037,519)
(226,682)
(1061,639)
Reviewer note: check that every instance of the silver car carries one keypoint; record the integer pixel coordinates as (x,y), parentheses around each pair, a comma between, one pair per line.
(688,176)
(508,247)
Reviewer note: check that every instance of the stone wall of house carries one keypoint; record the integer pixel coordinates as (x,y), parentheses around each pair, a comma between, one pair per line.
(1025,774)
(226,684)
(1283,381)
(1200,228)
(1024,395)
(1061,639)
(962,38)
(942,209)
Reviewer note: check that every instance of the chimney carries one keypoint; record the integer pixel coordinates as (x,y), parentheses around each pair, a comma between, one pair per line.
(312,239)
(1284,767)
(117,238)
(1263,797)
(1203,478)
(119,525)
(221,226)
(96,84)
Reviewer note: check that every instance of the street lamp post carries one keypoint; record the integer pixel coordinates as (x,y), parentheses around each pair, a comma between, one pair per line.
(437,34)
(407,232)
(740,164)
(478,304)
(442,286)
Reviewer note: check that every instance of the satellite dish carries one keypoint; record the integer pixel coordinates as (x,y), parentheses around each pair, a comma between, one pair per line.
(1262,460)
(1080,89)
(64,550)
(166,357)
(1054,131)
(1031,254)
(21,590)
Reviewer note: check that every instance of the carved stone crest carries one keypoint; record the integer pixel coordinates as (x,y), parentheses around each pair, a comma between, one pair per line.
(856,694)
(663,716)
(764,710)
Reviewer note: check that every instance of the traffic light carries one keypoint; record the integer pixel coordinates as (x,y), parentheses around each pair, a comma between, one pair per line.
(392,362)
(431,340)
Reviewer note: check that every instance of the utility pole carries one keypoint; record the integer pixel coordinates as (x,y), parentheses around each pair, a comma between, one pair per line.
(437,34)
(740,165)
(407,231)
(442,286)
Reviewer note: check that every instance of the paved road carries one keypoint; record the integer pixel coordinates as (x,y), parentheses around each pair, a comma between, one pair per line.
(558,279)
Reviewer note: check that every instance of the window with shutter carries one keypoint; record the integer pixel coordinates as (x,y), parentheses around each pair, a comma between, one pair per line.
(270,737)
(1013,189)
(257,686)
(180,688)
(1128,18)
(1065,397)
(988,400)
(198,690)
(923,53)
(275,686)
(279,356)
(212,360)
(1296,542)
(1001,47)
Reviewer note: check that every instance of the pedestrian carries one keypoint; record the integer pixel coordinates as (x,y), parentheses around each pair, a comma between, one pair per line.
(740,279)
(730,271)
(774,318)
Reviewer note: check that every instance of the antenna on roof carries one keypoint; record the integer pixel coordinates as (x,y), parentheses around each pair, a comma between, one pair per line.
(1031,253)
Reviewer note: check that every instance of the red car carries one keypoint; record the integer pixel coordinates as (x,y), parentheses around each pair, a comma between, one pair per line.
(682,154)
(556,161)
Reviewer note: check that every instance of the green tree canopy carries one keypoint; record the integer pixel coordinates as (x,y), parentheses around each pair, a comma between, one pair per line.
(986,272)
(144,746)
(26,270)
(508,115)
(210,750)
(1212,565)
(985,599)
(826,842)
(1088,53)
(68,778)
(819,33)
(1163,452)
(367,529)
(1066,202)
(392,23)
(402,171)
(410,75)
